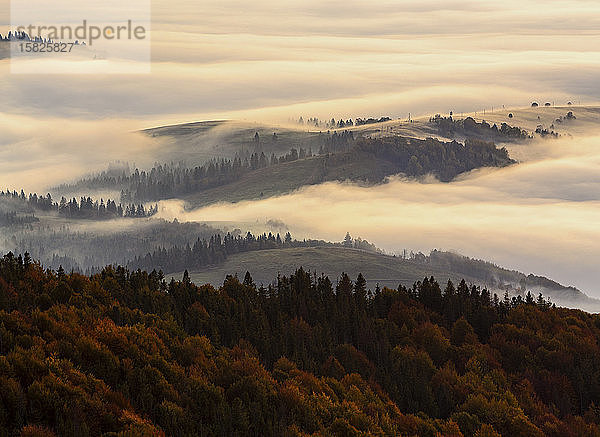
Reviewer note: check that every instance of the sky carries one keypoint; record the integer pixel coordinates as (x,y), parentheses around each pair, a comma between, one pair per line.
(265,59)
(270,61)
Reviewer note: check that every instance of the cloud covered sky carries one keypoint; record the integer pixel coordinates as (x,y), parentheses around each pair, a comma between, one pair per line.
(339,58)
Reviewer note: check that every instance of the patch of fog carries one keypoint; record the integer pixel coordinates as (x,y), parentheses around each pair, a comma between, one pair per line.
(36,152)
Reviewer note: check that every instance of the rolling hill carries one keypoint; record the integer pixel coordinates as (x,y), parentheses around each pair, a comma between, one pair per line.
(390,271)
(196,145)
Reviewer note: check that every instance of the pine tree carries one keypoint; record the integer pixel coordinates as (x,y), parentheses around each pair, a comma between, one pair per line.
(248,280)
(348,240)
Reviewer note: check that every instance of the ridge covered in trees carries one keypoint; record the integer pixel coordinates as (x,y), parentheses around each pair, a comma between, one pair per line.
(217,248)
(126,353)
(169,180)
(340,157)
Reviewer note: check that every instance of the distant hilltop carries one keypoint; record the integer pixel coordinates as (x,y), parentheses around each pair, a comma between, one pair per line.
(24,36)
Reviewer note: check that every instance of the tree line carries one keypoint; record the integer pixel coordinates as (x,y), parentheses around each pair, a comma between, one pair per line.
(165,181)
(216,249)
(85,208)
(470,127)
(341,123)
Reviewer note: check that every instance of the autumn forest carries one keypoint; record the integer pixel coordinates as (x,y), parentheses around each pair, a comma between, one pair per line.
(128,353)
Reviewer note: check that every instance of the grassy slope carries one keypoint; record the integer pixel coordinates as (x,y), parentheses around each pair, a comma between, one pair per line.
(264,266)
(287,177)
(196,141)
(269,181)
(379,269)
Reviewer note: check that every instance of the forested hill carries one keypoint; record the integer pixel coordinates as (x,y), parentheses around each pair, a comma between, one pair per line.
(340,157)
(469,128)
(126,353)
(211,260)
